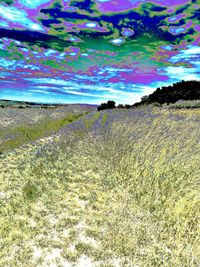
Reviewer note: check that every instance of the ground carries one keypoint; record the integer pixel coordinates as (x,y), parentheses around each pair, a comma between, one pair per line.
(113,188)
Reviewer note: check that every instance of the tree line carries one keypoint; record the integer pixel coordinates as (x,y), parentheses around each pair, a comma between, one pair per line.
(183,90)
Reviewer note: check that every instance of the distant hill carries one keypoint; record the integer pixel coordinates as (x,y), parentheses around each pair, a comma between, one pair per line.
(25,104)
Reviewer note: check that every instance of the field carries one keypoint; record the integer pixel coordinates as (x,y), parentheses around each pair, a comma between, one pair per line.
(112,188)
(19,126)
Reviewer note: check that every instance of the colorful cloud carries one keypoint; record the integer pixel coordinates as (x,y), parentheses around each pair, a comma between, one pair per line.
(89,51)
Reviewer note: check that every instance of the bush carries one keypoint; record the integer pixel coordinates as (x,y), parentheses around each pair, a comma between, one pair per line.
(184,90)
(145,98)
(109,105)
(120,106)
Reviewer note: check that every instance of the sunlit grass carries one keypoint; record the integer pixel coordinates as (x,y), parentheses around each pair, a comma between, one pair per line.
(183,104)
(88,122)
(127,195)
(104,118)
(18,135)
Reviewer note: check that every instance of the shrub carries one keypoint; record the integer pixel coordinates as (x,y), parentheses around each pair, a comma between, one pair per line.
(184,90)
(120,106)
(109,105)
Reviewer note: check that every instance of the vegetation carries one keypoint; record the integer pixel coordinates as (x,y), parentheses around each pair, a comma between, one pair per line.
(109,105)
(124,193)
(184,90)
(19,135)
(89,122)
(124,106)
(181,91)
(181,104)
(24,104)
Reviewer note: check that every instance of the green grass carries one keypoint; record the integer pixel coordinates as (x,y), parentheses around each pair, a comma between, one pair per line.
(19,135)
(90,122)
(185,104)
(104,118)
(116,200)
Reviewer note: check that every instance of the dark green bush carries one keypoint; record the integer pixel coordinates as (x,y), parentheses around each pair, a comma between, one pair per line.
(109,105)
(184,90)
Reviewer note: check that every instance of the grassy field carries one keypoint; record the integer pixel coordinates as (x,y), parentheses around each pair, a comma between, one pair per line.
(189,104)
(113,188)
(20,126)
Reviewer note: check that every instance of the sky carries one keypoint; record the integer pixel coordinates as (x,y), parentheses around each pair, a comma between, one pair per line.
(92,51)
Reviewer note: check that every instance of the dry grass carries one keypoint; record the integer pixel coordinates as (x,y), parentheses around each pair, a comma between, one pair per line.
(125,193)
(185,104)
(20,126)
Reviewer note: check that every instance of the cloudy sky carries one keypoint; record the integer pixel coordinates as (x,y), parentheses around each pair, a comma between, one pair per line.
(91,51)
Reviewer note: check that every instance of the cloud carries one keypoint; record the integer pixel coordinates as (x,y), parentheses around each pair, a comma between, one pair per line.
(39,91)
(98,50)
(10,64)
(191,53)
(182,73)
(119,92)
(18,17)
(33,4)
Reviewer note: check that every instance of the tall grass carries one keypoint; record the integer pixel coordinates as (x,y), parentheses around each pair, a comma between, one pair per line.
(89,122)
(122,195)
(18,135)
(185,104)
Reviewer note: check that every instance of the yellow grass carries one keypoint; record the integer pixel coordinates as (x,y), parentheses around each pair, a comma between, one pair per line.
(124,197)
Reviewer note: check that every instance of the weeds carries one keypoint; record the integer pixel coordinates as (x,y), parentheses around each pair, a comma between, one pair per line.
(122,195)
(185,104)
(19,135)
(89,122)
